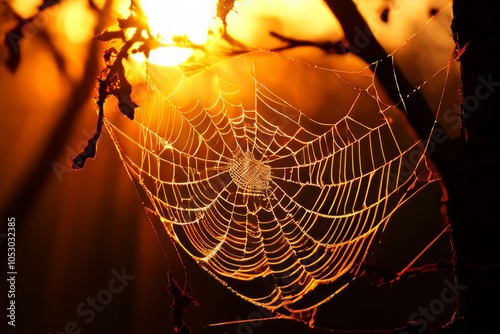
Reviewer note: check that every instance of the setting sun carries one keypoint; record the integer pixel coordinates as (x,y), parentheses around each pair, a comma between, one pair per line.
(171,20)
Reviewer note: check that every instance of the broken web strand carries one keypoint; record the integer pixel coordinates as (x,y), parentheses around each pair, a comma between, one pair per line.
(454,57)
(220,165)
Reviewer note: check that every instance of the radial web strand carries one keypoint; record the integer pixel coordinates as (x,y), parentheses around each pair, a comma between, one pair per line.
(255,188)
(277,172)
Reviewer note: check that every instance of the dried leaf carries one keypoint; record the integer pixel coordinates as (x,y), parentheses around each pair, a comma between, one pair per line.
(88,152)
(118,85)
(223,8)
(108,35)
(108,55)
(126,105)
(12,41)
(130,22)
(111,81)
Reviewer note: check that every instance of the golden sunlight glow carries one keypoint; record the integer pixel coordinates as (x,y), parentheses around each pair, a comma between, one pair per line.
(171,19)
(76,21)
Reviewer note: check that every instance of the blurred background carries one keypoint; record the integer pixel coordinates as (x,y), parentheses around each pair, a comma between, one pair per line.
(76,231)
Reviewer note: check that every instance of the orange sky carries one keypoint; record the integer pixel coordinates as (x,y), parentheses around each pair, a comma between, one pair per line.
(82,225)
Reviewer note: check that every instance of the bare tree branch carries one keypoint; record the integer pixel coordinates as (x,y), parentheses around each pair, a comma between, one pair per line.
(397,85)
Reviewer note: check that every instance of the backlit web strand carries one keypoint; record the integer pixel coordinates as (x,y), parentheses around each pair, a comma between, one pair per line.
(252,187)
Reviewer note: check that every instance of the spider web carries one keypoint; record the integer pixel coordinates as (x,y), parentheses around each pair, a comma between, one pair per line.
(274,197)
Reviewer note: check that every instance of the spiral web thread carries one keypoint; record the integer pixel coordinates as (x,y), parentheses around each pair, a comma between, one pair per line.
(258,191)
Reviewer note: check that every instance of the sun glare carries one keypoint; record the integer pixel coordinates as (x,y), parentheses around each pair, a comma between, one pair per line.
(172,19)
